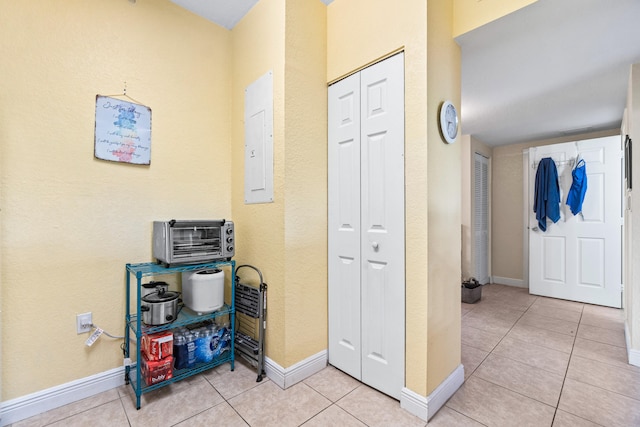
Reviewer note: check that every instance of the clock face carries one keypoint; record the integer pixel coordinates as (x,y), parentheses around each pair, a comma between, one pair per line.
(449,122)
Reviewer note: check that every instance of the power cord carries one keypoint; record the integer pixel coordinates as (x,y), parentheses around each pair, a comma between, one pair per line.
(96,334)
(106,333)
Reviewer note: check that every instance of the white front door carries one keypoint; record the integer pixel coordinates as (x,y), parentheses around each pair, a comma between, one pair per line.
(366,225)
(579,258)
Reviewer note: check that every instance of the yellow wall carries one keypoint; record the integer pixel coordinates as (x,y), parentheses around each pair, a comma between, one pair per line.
(71,222)
(360,33)
(471,14)
(444,201)
(305,174)
(287,239)
(257,47)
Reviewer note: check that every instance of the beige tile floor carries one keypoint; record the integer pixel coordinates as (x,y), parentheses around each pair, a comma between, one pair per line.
(529,361)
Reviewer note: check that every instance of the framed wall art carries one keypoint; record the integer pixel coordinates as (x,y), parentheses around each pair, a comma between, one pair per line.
(122,131)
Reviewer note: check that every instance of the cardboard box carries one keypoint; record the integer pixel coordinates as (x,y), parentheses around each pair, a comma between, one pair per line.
(157,346)
(156,371)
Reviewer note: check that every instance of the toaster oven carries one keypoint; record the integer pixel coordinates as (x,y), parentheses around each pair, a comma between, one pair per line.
(192,241)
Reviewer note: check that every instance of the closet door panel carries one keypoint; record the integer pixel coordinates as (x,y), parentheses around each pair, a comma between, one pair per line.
(344,234)
(383,281)
(366,225)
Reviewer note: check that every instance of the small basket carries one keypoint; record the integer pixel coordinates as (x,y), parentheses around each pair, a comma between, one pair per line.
(471,291)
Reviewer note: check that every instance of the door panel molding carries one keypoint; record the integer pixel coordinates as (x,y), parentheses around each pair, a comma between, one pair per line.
(376,246)
(579,258)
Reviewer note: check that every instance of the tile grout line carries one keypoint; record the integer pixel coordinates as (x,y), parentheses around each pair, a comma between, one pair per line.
(227,400)
(501,386)
(580,322)
(464,415)
(499,341)
(566,371)
(345,410)
(540,345)
(601,362)
(514,391)
(123,409)
(507,333)
(604,362)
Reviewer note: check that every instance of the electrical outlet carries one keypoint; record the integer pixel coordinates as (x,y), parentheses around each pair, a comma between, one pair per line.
(84,322)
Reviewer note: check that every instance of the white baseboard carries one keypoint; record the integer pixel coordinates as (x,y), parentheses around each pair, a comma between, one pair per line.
(426,407)
(18,409)
(36,403)
(632,354)
(286,377)
(634,357)
(519,283)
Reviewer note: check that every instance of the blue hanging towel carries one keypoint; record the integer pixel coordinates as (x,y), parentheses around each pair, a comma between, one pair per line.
(578,187)
(546,203)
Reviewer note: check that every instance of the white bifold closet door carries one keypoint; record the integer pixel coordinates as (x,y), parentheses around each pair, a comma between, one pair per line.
(481,218)
(366,225)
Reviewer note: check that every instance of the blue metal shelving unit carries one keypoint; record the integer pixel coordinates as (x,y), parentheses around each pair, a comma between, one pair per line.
(134,324)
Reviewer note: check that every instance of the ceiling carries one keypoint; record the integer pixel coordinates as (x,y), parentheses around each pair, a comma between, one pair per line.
(226,13)
(554,68)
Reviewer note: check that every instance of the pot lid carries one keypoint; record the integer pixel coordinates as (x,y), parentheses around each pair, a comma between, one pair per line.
(161,296)
(210,271)
(153,284)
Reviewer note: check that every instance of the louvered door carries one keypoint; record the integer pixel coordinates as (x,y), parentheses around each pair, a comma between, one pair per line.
(481,218)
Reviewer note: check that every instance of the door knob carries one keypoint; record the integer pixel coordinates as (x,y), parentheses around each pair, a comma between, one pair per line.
(375,246)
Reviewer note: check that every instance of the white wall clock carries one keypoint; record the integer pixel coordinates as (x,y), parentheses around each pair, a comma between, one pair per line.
(449,122)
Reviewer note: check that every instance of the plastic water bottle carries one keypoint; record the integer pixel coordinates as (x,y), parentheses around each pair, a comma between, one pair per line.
(191,349)
(203,346)
(221,341)
(180,351)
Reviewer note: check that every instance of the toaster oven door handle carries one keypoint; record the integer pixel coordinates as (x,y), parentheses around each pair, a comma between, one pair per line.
(195,223)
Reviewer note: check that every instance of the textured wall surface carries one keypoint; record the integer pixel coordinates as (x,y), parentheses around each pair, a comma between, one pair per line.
(305,180)
(70,222)
(287,239)
(445,184)
(258,47)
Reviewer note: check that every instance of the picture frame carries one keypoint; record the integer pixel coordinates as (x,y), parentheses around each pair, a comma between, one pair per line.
(122,131)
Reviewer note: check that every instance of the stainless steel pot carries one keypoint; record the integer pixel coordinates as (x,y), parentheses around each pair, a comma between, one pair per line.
(148,288)
(160,307)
